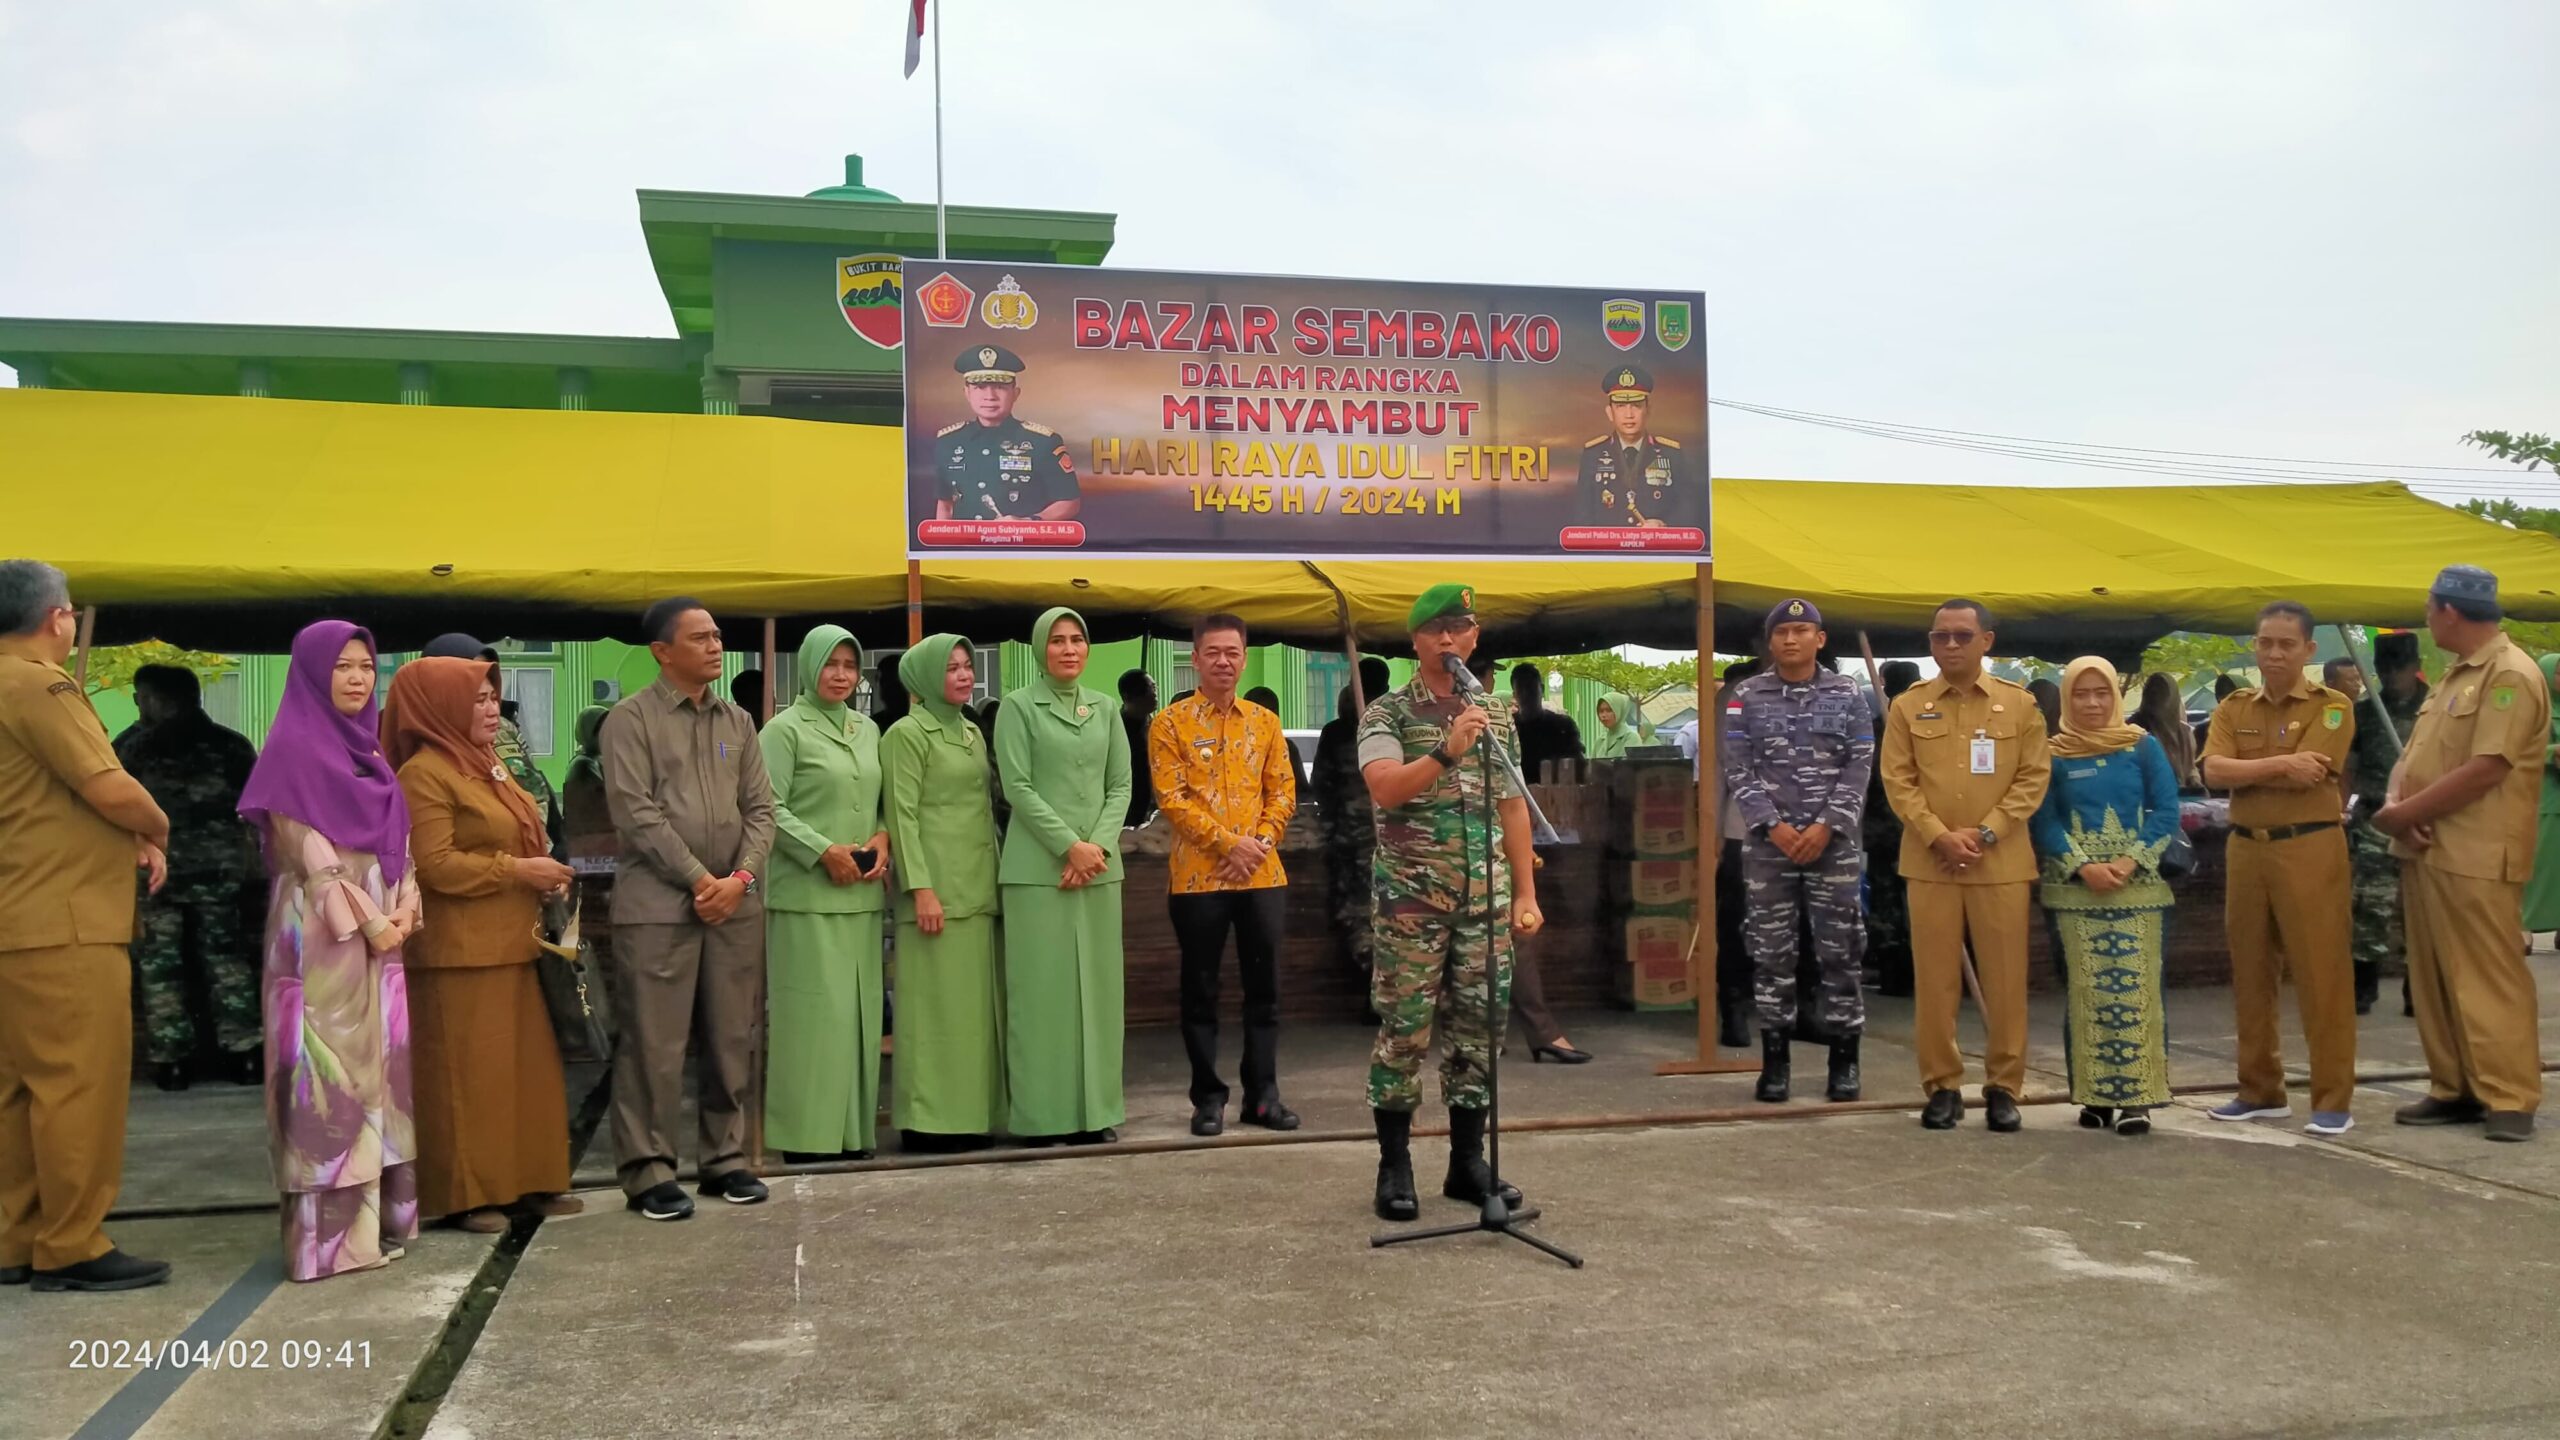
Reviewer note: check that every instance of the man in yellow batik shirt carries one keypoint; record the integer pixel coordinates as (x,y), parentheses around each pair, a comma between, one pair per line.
(1226,783)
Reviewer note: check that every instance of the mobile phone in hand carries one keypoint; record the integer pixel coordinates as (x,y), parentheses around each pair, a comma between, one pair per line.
(865,858)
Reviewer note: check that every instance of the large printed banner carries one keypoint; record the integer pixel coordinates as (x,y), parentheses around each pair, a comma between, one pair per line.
(1139,413)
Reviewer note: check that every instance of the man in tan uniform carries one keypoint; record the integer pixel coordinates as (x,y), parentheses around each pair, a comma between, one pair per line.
(2461,815)
(1965,763)
(2281,750)
(73,826)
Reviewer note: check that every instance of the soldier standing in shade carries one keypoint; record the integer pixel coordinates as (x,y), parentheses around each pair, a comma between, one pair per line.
(1888,906)
(993,466)
(1346,824)
(2403,693)
(2464,809)
(1799,743)
(194,769)
(1446,908)
(1630,476)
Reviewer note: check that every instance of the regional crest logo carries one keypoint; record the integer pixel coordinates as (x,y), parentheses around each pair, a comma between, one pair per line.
(1008,308)
(1672,323)
(945,302)
(872,290)
(1623,322)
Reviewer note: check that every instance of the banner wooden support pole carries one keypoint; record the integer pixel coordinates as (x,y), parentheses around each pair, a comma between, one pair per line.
(1702,936)
(80,645)
(762,1050)
(915,602)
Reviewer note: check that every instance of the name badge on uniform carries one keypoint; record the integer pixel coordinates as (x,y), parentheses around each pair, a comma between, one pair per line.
(1984,754)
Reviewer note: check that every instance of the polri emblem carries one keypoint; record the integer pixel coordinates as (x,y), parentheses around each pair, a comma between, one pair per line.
(871,289)
(1008,308)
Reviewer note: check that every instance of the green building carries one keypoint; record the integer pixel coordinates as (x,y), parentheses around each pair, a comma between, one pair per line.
(776,305)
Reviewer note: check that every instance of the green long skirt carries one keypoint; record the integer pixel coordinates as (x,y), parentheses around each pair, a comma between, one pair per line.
(2112,1032)
(822,1079)
(950,1055)
(1064,1017)
(2542,891)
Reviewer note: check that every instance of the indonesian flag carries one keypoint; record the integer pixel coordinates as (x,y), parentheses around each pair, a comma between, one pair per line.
(915,34)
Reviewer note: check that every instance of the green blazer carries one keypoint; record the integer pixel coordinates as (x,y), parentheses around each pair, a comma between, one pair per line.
(1066,775)
(826,791)
(942,815)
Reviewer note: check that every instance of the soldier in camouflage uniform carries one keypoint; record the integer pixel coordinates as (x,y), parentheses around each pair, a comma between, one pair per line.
(1346,825)
(1446,907)
(194,768)
(1799,744)
(2375,874)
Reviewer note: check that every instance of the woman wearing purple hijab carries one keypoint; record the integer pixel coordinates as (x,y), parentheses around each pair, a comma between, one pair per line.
(336,829)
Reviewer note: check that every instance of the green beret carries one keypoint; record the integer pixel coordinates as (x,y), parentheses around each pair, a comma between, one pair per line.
(1442,602)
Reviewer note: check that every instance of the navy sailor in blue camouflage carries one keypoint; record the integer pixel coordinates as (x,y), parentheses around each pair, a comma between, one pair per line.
(1799,744)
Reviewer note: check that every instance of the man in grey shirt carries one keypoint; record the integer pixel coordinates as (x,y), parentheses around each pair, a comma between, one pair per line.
(693,813)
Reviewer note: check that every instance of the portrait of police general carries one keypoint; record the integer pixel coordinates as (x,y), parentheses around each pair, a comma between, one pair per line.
(1630,475)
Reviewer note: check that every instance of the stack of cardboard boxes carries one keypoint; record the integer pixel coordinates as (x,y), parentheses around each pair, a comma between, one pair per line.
(1652,869)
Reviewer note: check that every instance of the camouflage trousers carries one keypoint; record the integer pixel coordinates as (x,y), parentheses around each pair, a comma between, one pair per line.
(1431,963)
(2379,935)
(1348,881)
(1776,891)
(199,918)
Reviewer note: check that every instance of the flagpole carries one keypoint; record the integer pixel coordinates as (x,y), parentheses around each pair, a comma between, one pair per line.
(941,226)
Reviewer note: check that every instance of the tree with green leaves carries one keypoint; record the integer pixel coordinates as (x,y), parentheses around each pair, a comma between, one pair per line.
(111,667)
(1612,671)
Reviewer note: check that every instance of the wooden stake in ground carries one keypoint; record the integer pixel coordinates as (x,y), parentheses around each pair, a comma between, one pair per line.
(1702,948)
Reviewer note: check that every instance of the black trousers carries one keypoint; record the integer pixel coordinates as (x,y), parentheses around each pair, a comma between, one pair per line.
(1200,926)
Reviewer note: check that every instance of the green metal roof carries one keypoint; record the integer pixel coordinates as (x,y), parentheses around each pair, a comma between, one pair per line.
(681,225)
(323,362)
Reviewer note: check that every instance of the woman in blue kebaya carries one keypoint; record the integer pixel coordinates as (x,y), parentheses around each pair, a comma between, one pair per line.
(2105,821)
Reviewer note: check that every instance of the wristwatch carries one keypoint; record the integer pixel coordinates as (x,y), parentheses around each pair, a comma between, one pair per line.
(748,876)
(1989,839)
(1447,760)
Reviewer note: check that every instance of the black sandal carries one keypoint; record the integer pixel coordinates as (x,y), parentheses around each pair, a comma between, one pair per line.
(2134,1122)
(2096,1117)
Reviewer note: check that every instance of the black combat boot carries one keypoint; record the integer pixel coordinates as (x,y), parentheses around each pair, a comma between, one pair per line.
(1733,1019)
(1395,1166)
(1469,1177)
(1774,1066)
(1844,1070)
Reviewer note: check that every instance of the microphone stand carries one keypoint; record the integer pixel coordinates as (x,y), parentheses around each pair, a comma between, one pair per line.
(1497,1217)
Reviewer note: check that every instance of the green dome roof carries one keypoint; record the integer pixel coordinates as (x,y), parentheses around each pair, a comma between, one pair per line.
(853,188)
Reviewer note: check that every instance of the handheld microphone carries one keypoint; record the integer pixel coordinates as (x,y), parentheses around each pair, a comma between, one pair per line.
(1459,675)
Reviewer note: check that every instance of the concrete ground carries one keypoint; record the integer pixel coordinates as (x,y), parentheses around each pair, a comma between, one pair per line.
(1852,1275)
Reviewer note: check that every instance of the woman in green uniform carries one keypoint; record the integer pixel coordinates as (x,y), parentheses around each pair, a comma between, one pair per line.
(1064,758)
(950,1061)
(1617,714)
(2542,891)
(824,901)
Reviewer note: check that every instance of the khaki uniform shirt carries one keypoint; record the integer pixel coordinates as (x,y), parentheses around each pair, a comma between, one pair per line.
(2491,703)
(1927,760)
(66,872)
(2250,724)
(686,784)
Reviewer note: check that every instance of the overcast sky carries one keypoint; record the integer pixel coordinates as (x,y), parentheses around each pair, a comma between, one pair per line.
(2317,229)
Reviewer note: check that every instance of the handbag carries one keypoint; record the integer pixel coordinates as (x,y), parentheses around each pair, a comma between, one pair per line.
(2178,859)
(572,988)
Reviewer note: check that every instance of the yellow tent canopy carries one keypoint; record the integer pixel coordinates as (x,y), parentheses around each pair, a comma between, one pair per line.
(233,521)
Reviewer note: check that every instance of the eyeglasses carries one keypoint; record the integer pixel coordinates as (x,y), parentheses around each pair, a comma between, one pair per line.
(1954,637)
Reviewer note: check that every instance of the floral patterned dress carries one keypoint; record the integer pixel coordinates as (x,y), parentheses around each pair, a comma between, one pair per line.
(337,1032)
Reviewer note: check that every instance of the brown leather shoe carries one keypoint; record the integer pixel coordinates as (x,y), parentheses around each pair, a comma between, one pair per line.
(552,1206)
(479,1222)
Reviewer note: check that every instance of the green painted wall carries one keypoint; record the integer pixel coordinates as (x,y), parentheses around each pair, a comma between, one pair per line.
(777,310)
